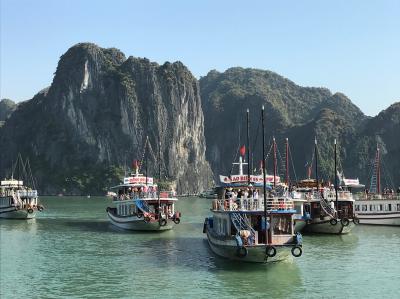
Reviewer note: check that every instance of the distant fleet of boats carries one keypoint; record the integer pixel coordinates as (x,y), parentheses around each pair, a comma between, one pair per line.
(253,217)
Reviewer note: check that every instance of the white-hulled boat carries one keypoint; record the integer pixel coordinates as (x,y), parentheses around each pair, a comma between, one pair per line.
(327,215)
(18,201)
(378,209)
(249,223)
(375,207)
(138,205)
(331,211)
(236,229)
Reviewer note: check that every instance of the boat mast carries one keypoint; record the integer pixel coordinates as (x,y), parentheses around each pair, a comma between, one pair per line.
(264,176)
(248,147)
(147,163)
(159,177)
(274,144)
(336,182)
(316,162)
(287,163)
(378,170)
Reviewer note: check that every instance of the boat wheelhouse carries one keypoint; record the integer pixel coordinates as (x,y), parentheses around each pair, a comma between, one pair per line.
(139,205)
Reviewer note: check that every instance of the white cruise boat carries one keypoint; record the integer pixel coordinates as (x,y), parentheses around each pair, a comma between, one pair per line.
(139,205)
(376,207)
(18,201)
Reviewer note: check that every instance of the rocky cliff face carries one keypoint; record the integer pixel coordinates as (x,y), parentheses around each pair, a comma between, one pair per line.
(96,115)
(300,113)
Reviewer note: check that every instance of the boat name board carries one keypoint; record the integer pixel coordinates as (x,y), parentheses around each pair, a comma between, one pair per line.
(351,182)
(243,178)
(138,180)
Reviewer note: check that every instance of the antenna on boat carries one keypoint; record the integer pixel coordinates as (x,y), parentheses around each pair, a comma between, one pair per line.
(248,148)
(264,175)
(316,162)
(336,181)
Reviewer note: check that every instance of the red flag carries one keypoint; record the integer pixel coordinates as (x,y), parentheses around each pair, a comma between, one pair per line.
(242,150)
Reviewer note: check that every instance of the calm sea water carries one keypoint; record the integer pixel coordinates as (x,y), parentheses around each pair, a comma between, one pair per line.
(71,251)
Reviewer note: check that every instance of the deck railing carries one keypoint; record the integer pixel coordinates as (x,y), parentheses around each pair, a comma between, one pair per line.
(251,204)
(144,195)
(27,193)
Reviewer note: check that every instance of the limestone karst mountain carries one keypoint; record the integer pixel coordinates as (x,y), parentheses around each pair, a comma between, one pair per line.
(94,119)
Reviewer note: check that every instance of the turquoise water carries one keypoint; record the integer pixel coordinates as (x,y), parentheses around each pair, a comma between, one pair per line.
(71,251)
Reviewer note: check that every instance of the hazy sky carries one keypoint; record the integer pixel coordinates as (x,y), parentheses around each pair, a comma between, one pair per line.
(347,46)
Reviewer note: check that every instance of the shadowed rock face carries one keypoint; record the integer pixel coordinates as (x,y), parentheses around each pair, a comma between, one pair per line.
(96,115)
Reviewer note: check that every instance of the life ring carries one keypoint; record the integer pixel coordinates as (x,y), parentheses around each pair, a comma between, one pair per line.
(163,222)
(270,251)
(356,220)
(344,222)
(146,219)
(30,210)
(139,215)
(177,220)
(242,252)
(299,253)
(333,221)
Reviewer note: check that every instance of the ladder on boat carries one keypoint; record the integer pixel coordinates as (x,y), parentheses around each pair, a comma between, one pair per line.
(241,223)
(142,205)
(326,207)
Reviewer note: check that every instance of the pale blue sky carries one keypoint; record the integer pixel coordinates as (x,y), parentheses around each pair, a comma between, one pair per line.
(347,46)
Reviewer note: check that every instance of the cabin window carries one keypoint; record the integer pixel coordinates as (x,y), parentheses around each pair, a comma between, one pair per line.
(388,207)
(371,207)
(398,207)
(282,225)
(357,208)
(380,208)
(364,208)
